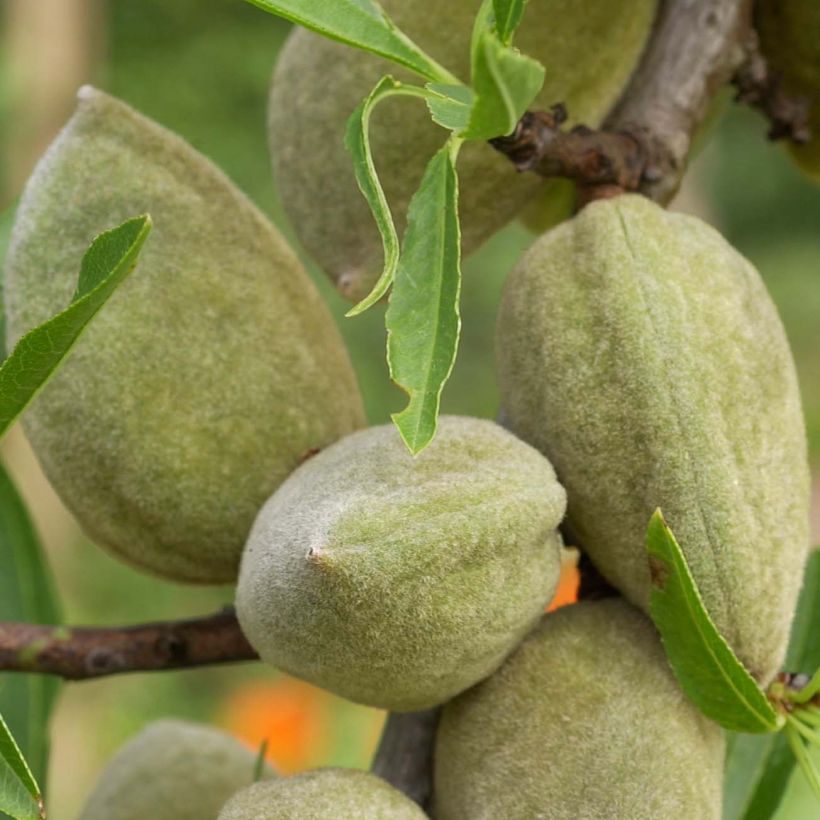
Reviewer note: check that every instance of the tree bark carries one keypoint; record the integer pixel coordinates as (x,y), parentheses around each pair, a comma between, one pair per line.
(80,653)
(695,48)
(405,754)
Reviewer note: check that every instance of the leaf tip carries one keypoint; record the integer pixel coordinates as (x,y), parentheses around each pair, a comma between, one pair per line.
(415,438)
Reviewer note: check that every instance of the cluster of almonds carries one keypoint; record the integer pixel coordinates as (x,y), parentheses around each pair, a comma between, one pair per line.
(639,356)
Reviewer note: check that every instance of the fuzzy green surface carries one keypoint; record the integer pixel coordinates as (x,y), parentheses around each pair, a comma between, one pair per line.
(323,794)
(207,376)
(789,33)
(642,354)
(397,581)
(589,51)
(172,770)
(584,721)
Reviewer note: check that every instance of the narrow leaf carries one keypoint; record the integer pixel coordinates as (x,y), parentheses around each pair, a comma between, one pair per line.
(484,21)
(505,82)
(357,142)
(508,14)
(758,767)
(802,755)
(106,264)
(362,24)
(804,642)
(704,664)
(19,793)
(450,105)
(26,594)
(423,322)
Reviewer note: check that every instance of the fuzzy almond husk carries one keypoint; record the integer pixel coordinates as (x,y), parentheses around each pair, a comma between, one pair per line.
(323,794)
(583,721)
(172,770)
(643,355)
(207,376)
(398,581)
(589,50)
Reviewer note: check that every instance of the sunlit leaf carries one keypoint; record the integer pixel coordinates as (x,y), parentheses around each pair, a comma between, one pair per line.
(507,14)
(450,105)
(26,594)
(758,767)
(362,24)
(423,321)
(357,142)
(106,264)
(704,664)
(505,82)
(19,793)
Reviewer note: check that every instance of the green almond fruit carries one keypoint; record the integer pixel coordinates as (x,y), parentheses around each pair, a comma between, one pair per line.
(172,770)
(644,357)
(789,33)
(324,794)
(206,378)
(589,51)
(584,720)
(398,581)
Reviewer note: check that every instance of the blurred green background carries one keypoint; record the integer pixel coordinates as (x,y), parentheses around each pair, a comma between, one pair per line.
(202,68)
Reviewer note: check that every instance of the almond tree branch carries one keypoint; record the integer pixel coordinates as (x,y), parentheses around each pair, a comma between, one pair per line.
(79,653)
(405,754)
(695,48)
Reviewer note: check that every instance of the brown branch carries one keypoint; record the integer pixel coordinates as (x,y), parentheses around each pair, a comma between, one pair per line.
(78,653)
(760,88)
(594,159)
(405,754)
(694,49)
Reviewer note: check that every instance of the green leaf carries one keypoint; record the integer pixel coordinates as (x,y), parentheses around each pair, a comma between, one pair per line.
(804,642)
(758,767)
(450,105)
(505,83)
(19,793)
(6,222)
(362,24)
(357,142)
(26,594)
(801,754)
(507,14)
(423,322)
(484,21)
(704,664)
(106,264)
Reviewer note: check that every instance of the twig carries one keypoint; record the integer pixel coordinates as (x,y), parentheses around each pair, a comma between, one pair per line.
(79,653)
(405,754)
(694,49)
(597,159)
(757,86)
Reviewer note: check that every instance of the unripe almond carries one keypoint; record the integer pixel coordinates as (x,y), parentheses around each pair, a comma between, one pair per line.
(204,380)
(642,354)
(583,721)
(172,770)
(324,794)
(398,581)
